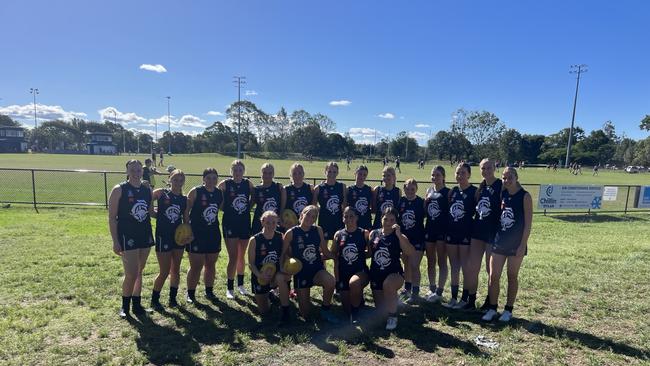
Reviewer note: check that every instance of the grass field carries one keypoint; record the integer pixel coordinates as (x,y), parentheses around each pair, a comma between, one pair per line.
(89,187)
(582,301)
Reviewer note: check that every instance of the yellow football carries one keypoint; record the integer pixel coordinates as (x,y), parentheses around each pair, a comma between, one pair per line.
(292,266)
(268,268)
(289,218)
(182,234)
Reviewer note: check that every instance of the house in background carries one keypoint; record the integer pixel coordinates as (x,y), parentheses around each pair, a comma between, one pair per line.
(12,139)
(101,143)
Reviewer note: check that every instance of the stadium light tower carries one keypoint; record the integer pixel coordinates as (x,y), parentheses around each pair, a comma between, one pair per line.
(169,126)
(575,69)
(239,80)
(34,91)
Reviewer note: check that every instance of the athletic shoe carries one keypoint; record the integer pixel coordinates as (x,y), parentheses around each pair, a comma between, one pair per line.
(230,295)
(489,316)
(461,304)
(354,319)
(210,295)
(404,293)
(413,299)
(173,303)
(329,316)
(434,298)
(451,304)
(468,307)
(190,299)
(155,304)
(242,290)
(505,316)
(123,313)
(391,323)
(138,309)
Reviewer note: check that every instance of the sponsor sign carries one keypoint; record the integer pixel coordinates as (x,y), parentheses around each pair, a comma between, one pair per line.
(556,196)
(643,199)
(610,193)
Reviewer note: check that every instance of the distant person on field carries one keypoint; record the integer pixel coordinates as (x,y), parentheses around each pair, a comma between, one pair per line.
(149,173)
(596,167)
(162,157)
(397,164)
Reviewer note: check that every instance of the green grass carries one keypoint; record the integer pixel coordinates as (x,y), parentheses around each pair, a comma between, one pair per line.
(89,187)
(582,301)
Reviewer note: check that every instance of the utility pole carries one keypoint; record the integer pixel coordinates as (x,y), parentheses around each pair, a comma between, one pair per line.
(575,69)
(34,91)
(123,130)
(239,80)
(169,126)
(407,146)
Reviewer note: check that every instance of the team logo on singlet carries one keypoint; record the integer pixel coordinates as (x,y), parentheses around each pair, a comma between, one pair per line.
(408,219)
(299,204)
(483,207)
(333,204)
(240,203)
(361,205)
(271,257)
(382,258)
(350,253)
(457,210)
(173,213)
(309,254)
(210,214)
(507,218)
(385,205)
(270,205)
(140,210)
(433,209)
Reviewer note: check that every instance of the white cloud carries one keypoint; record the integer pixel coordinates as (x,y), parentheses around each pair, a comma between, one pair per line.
(386,115)
(189,120)
(123,118)
(155,68)
(364,135)
(25,113)
(422,125)
(250,92)
(340,103)
(214,113)
(420,136)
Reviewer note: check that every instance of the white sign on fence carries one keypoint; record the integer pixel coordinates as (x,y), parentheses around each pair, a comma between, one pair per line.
(610,193)
(554,196)
(644,197)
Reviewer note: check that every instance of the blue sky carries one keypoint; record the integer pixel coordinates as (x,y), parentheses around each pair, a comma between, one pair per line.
(417,61)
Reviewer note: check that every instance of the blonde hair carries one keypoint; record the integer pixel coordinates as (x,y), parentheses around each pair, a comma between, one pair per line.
(267,166)
(409,182)
(267,214)
(305,211)
(389,169)
(487,161)
(293,167)
(235,163)
(331,164)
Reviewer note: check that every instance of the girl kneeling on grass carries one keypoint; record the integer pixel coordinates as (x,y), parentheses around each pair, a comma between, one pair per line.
(511,242)
(129,221)
(172,205)
(306,243)
(386,273)
(266,248)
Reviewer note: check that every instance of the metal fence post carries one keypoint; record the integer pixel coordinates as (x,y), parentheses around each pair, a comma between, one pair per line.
(105,191)
(627,199)
(34,190)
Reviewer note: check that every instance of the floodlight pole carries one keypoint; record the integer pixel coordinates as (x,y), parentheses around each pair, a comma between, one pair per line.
(575,69)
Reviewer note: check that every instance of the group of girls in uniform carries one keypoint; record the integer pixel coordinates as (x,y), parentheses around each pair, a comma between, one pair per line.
(452,227)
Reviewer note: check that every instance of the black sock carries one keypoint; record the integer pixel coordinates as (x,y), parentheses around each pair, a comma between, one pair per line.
(240,280)
(486,302)
(408,286)
(173,291)
(354,310)
(432,288)
(439,291)
(126,302)
(135,302)
(209,290)
(155,296)
(191,294)
(231,284)
(508,308)
(416,290)
(494,306)
(392,315)
(454,292)
(325,307)
(471,299)
(465,295)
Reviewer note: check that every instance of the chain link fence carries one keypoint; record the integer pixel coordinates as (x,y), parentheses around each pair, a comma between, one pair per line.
(58,187)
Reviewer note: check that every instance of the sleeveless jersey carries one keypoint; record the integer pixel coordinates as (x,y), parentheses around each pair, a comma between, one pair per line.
(462,205)
(436,204)
(204,215)
(511,228)
(170,212)
(488,208)
(133,219)
(268,250)
(351,250)
(330,199)
(411,219)
(236,201)
(305,246)
(359,199)
(298,198)
(385,198)
(385,252)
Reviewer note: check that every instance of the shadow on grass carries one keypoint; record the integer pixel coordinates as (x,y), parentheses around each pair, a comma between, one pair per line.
(595,218)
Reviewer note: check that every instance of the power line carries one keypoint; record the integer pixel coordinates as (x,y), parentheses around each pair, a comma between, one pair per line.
(575,69)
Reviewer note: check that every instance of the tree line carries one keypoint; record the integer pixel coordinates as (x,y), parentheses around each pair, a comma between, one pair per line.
(470,136)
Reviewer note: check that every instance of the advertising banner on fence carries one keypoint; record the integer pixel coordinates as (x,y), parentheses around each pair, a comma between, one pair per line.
(643,200)
(557,196)
(610,193)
